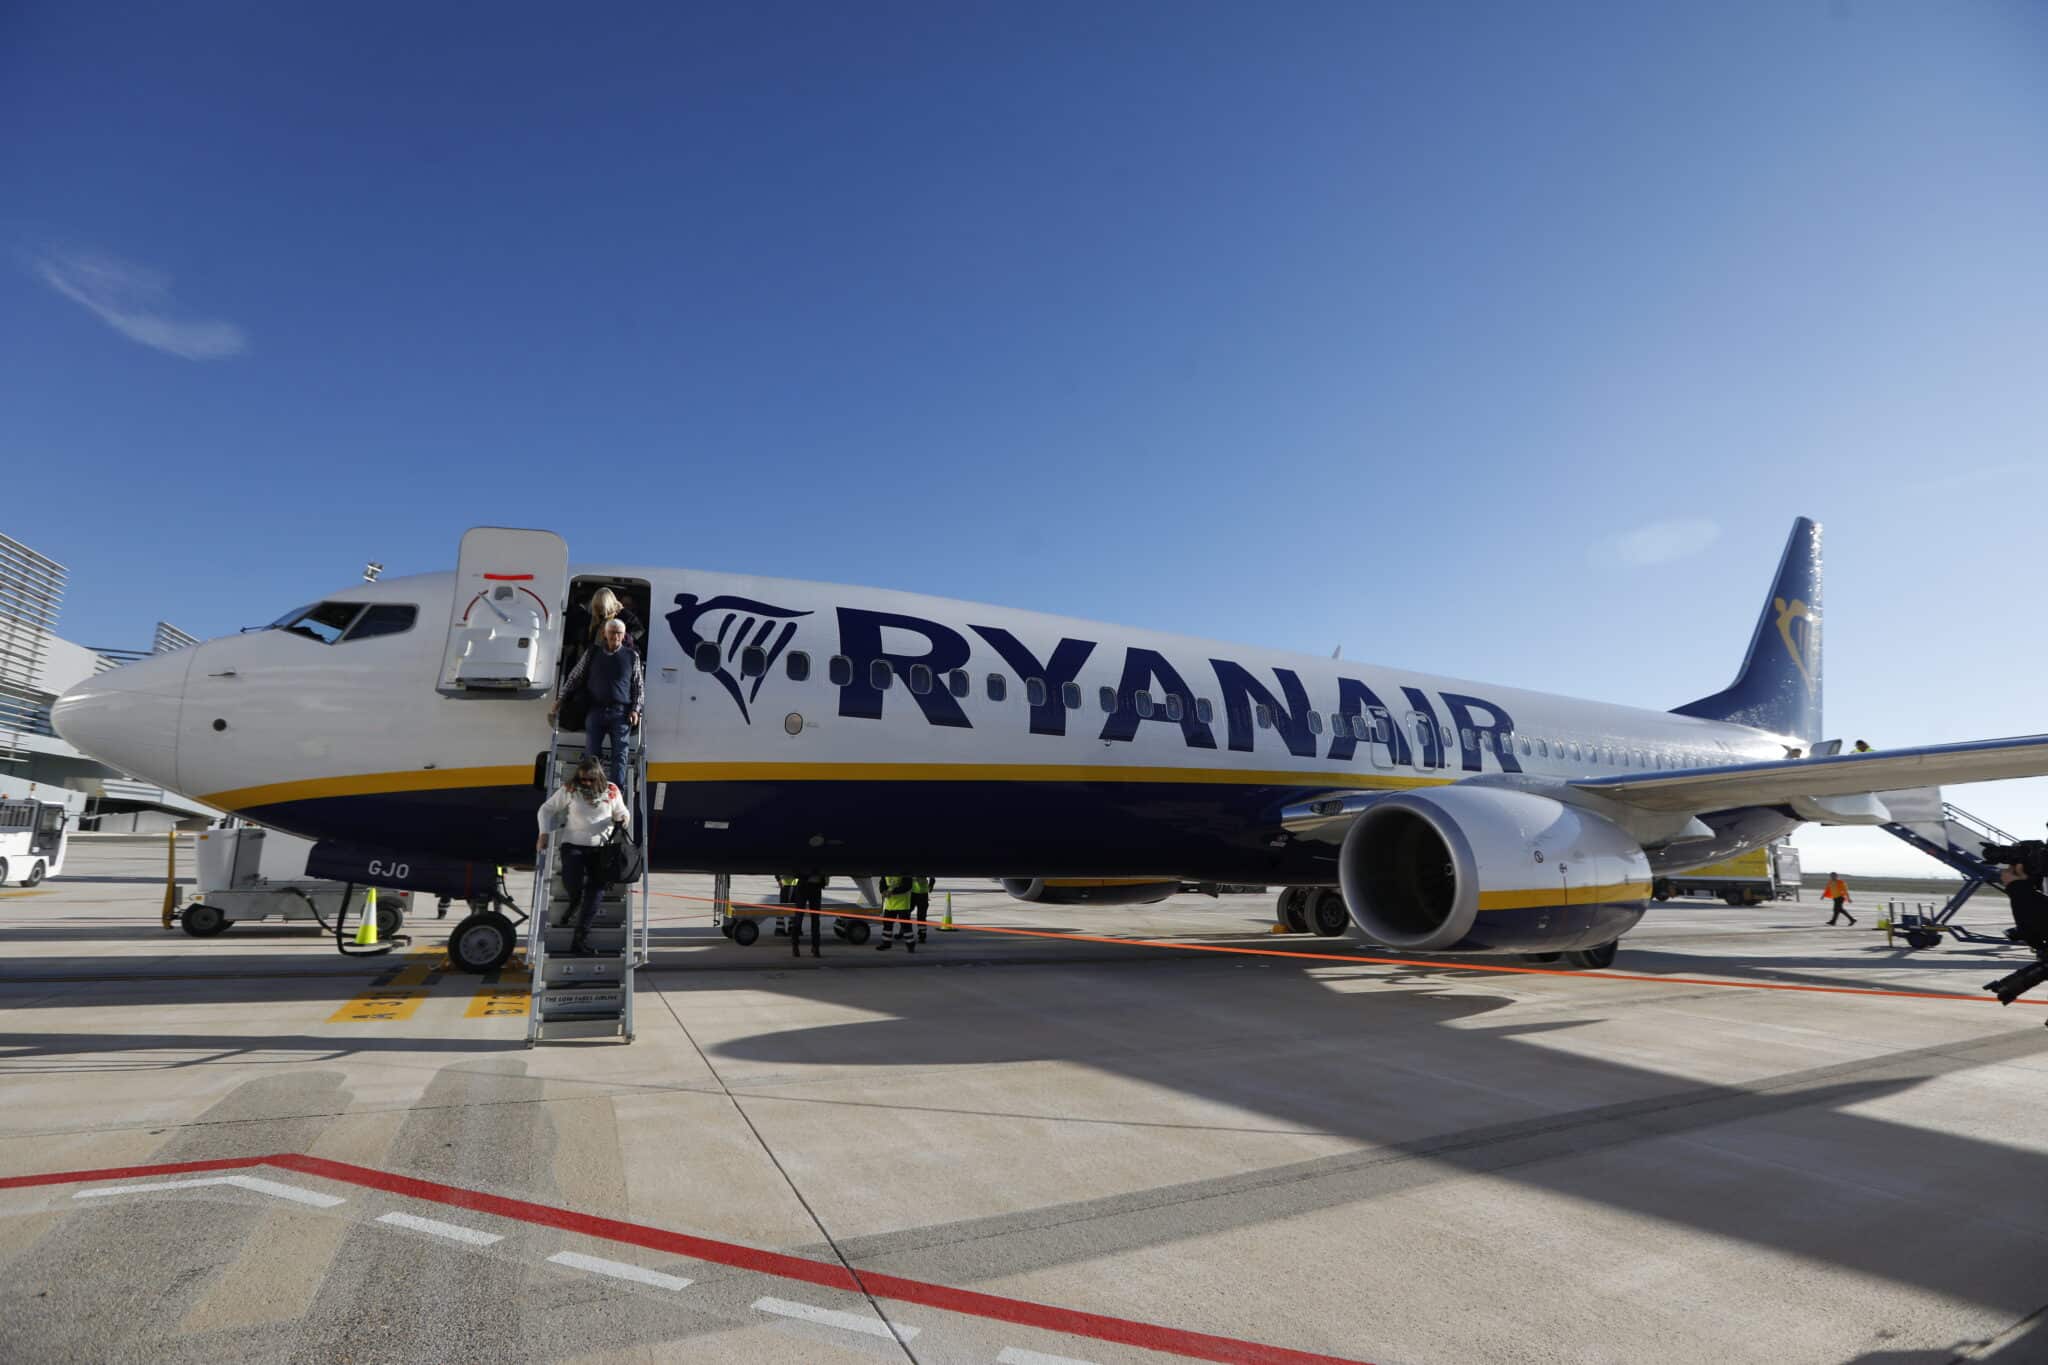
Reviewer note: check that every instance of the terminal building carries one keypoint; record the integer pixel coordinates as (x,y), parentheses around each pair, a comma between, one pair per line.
(36,665)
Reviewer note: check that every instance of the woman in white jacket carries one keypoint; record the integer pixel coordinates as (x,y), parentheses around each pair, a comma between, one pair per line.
(586,810)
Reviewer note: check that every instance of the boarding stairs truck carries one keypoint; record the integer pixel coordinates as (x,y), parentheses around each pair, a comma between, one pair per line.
(1951,835)
(590,994)
(1762,874)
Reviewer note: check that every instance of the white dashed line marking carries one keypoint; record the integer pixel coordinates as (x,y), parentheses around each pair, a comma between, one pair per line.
(832,1317)
(1017,1355)
(597,1265)
(256,1183)
(434,1227)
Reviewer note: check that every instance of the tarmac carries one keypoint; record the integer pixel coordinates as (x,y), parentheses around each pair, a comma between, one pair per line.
(1757,1138)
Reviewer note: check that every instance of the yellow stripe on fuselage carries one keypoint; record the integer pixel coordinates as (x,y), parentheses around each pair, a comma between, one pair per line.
(1563,895)
(452,779)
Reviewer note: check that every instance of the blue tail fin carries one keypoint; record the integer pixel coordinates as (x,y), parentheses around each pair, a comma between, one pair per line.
(1779,685)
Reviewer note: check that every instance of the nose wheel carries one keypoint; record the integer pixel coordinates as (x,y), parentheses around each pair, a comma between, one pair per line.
(482,943)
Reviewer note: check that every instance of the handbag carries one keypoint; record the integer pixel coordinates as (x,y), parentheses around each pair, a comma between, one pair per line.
(622,860)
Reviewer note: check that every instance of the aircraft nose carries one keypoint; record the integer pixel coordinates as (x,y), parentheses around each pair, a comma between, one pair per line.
(127,717)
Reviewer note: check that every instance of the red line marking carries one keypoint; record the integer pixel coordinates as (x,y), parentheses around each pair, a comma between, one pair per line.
(509,577)
(841,913)
(829,1274)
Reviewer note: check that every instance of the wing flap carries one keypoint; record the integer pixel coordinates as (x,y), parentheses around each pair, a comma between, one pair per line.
(1782,781)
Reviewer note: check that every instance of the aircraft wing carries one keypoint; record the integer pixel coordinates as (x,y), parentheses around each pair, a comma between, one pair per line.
(1792,780)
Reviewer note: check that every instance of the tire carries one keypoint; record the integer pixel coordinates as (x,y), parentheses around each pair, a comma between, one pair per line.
(1660,890)
(857,932)
(483,942)
(3,872)
(745,932)
(1593,959)
(725,927)
(1327,915)
(1922,938)
(1731,898)
(390,919)
(35,874)
(1292,909)
(202,920)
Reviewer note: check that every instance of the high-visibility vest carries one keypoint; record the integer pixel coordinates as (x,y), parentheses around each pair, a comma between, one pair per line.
(921,885)
(896,894)
(1833,889)
(787,881)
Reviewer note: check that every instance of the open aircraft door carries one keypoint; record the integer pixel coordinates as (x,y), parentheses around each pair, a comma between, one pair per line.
(505,625)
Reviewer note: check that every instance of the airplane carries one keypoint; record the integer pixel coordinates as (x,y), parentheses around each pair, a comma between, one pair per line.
(810,727)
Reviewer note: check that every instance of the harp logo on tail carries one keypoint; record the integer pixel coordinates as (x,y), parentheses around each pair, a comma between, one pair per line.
(1795,628)
(733,624)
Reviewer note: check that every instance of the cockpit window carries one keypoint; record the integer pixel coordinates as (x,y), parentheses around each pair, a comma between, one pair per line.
(323,621)
(385,618)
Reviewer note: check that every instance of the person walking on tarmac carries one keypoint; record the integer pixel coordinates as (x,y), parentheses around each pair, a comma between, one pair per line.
(1837,891)
(586,810)
(896,895)
(807,894)
(616,682)
(920,902)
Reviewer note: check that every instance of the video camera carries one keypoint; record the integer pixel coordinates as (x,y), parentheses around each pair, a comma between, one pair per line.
(2030,855)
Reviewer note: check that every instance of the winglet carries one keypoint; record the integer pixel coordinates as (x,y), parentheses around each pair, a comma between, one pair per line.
(1779,687)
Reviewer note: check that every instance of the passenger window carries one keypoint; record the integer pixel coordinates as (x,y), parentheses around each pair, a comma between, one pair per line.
(1107,696)
(880,675)
(920,678)
(1575,750)
(1204,712)
(1070,694)
(1543,748)
(706,656)
(1315,722)
(797,666)
(324,621)
(956,682)
(1265,715)
(1142,703)
(1465,736)
(383,619)
(1173,706)
(997,687)
(839,669)
(1034,691)
(1525,746)
(1444,733)
(753,661)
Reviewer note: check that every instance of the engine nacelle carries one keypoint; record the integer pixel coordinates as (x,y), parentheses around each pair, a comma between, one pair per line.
(1470,869)
(1090,890)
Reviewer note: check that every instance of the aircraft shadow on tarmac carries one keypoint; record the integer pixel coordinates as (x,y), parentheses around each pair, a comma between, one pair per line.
(1785,1162)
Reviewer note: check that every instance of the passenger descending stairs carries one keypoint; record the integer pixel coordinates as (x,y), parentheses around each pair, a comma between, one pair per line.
(1951,835)
(586,996)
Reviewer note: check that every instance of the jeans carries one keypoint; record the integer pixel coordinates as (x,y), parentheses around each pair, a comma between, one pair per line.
(583,877)
(608,719)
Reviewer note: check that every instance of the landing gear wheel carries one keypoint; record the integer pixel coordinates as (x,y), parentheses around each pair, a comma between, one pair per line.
(725,927)
(745,932)
(202,920)
(1328,914)
(857,932)
(1660,890)
(483,942)
(35,874)
(1593,959)
(390,919)
(1922,938)
(3,872)
(1293,909)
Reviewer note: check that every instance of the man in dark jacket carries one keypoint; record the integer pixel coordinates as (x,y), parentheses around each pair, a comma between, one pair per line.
(615,682)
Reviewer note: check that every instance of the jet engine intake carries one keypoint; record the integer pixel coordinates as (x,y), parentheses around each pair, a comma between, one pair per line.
(1470,869)
(1090,890)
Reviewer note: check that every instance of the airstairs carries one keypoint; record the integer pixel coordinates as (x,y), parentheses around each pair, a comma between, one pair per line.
(586,995)
(1951,835)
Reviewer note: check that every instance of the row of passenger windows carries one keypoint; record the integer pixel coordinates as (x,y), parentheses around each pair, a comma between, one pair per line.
(1377,727)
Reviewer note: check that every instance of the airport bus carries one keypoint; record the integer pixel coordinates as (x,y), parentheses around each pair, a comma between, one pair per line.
(32,839)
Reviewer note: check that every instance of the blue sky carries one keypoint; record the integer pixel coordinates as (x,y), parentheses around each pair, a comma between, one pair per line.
(1503,342)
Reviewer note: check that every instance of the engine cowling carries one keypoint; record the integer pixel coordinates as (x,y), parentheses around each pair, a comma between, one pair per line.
(1090,890)
(1490,870)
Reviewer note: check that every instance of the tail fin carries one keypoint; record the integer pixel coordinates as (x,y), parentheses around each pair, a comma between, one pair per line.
(1779,685)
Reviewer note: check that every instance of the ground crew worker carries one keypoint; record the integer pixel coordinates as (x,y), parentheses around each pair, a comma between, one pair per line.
(1837,891)
(785,889)
(1862,746)
(806,893)
(896,910)
(921,901)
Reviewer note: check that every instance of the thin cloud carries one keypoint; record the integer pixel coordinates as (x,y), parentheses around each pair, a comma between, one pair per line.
(137,303)
(1660,542)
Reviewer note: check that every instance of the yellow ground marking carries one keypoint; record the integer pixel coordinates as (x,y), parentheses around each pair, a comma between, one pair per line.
(396,994)
(17,895)
(503,993)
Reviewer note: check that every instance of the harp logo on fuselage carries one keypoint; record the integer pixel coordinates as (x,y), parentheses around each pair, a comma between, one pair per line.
(926,660)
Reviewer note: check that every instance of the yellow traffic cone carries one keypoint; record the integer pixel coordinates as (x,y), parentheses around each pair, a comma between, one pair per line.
(947,922)
(366,932)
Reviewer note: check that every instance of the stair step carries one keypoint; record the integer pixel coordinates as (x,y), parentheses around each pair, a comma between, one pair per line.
(604,940)
(587,1000)
(554,1030)
(577,971)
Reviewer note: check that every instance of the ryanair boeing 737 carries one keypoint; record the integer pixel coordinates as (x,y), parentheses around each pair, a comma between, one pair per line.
(794,726)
